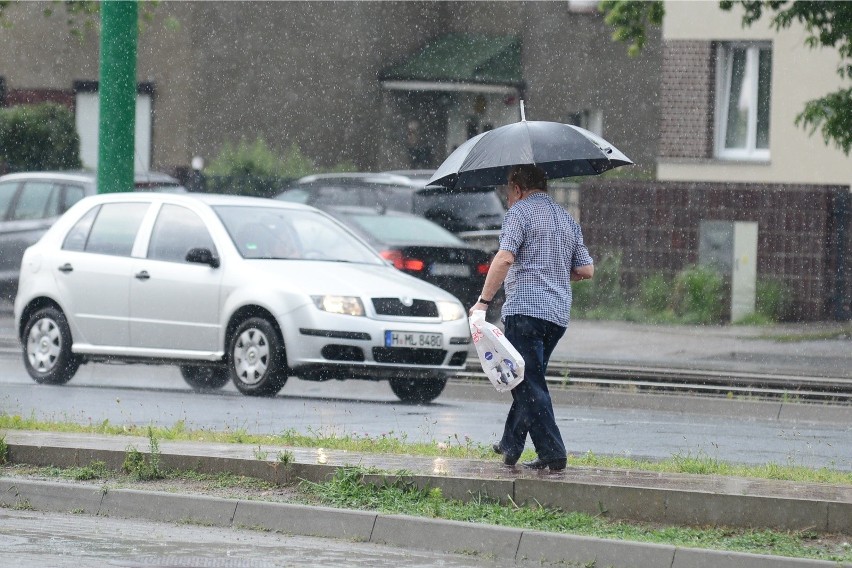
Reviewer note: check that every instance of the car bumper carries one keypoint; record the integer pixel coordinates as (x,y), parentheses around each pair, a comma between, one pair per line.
(322,346)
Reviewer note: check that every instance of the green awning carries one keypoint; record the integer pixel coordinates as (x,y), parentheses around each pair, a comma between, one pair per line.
(463,58)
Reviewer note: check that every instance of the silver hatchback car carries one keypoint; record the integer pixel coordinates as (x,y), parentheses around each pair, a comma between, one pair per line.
(230,288)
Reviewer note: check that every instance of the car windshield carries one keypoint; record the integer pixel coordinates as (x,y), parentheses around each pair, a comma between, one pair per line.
(405,230)
(278,233)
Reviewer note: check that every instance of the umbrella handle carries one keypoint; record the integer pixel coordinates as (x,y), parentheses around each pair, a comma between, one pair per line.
(523,114)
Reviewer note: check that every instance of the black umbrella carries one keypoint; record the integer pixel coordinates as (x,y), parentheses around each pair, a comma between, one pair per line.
(561,150)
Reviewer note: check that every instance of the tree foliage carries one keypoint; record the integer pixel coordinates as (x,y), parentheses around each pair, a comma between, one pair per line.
(828,25)
(81,15)
(631,20)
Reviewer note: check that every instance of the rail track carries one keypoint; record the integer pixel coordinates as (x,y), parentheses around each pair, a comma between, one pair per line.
(691,381)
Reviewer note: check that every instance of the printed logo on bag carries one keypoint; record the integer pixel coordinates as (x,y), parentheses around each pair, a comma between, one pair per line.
(476,335)
(488,355)
(509,364)
(497,332)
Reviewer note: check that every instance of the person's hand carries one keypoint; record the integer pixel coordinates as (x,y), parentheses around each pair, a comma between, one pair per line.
(477,306)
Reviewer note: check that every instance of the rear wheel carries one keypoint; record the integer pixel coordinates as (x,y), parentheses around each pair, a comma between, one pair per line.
(47,348)
(201,377)
(258,365)
(418,391)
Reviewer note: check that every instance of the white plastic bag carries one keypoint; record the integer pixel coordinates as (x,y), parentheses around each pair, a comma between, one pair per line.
(499,359)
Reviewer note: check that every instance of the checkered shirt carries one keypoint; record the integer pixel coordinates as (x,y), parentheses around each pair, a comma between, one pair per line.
(547,243)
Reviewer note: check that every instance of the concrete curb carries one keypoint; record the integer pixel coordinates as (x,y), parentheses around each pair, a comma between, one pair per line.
(677,499)
(499,543)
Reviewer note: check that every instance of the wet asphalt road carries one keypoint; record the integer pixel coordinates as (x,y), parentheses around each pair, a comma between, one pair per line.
(141,395)
(30,538)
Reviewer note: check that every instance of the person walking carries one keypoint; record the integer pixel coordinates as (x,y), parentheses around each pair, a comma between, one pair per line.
(541,252)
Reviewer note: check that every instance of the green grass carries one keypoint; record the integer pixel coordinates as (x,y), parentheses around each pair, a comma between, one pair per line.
(347,490)
(453,448)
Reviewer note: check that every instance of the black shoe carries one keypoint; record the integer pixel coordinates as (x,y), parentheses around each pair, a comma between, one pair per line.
(507,459)
(554,465)
(510,460)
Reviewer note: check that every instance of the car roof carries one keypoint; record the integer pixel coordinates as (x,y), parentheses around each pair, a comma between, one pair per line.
(90,176)
(413,175)
(362,178)
(210,199)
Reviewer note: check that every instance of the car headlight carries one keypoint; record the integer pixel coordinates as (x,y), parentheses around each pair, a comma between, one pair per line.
(450,311)
(347,305)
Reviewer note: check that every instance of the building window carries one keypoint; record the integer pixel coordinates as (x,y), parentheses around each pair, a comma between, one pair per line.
(744,92)
(87,114)
(591,120)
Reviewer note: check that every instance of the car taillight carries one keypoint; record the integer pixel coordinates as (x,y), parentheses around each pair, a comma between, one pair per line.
(401,262)
(482,269)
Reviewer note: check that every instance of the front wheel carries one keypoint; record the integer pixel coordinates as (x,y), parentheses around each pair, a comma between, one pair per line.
(47,348)
(205,377)
(257,362)
(418,391)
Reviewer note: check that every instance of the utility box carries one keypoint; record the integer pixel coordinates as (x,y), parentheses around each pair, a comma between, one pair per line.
(731,247)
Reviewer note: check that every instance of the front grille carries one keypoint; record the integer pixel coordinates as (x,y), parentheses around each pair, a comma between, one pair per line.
(335,334)
(395,307)
(343,353)
(409,355)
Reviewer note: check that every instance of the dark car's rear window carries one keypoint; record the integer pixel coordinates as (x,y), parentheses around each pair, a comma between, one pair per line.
(480,208)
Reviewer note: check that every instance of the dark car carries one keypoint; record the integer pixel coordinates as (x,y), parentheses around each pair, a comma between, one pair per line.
(30,202)
(472,211)
(421,248)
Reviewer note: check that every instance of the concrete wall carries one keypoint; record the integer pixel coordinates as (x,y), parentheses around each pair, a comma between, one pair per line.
(306,72)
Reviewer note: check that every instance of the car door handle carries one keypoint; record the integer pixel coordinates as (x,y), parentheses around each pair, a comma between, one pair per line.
(143,275)
(66,267)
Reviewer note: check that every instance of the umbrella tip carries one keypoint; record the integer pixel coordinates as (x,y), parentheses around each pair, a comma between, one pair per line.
(523,114)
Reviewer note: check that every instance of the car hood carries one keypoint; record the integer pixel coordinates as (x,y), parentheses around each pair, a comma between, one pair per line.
(313,278)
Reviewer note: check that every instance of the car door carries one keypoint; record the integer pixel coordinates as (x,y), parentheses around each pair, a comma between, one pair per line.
(174,304)
(8,190)
(31,212)
(93,273)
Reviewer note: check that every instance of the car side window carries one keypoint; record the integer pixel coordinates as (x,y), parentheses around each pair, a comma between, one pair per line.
(296,195)
(392,198)
(73,194)
(38,200)
(177,230)
(115,227)
(7,192)
(331,195)
(76,237)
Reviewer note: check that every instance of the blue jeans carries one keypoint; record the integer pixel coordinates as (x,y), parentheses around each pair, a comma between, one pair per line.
(532,410)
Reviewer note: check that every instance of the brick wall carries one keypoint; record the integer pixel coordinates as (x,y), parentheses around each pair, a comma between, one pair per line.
(655,225)
(687,99)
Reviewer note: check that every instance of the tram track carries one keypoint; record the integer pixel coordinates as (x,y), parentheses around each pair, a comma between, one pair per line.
(690,381)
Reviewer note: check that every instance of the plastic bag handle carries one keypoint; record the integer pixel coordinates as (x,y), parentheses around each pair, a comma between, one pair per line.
(477,316)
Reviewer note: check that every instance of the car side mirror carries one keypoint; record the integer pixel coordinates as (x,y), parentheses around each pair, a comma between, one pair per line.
(202,256)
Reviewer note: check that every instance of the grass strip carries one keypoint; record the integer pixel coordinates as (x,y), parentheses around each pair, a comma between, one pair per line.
(463,448)
(347,490)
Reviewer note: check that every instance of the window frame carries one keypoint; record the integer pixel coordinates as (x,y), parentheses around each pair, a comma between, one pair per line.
(724,51)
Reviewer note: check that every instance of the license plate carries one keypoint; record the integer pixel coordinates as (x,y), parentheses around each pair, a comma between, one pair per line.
(414,339)
(440,269)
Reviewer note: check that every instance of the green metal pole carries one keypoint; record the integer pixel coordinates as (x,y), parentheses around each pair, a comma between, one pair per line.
(117,93)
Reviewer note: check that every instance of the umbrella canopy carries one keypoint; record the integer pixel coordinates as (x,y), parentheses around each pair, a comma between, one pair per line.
(561,150)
